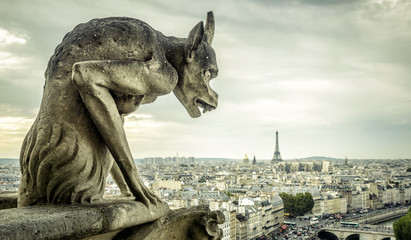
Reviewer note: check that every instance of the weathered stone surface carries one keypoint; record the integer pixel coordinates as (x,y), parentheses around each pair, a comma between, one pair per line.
(75,221)
(8,200)
(195,223)
(115,219)
(103,70)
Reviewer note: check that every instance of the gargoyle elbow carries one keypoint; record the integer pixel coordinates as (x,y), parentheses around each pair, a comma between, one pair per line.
(77,76)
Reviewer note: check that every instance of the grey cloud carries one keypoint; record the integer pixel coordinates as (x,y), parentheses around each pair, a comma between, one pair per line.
(359,49)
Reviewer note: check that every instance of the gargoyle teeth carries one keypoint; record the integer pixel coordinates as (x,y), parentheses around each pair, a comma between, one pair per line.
(205,106)
(208,108)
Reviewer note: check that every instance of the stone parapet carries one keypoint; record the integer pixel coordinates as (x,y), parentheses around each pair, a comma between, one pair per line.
(8,200)
(114,219)
(186,223)
(74,221)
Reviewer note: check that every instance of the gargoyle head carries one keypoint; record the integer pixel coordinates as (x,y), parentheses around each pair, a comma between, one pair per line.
(200,66)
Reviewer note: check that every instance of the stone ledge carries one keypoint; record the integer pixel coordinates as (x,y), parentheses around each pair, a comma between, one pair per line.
(75,221)
(192,223)
(8,200)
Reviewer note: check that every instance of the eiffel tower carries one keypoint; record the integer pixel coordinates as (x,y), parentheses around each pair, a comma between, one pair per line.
(277,154)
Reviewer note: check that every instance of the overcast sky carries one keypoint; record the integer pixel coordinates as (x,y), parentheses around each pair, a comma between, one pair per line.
(334,77)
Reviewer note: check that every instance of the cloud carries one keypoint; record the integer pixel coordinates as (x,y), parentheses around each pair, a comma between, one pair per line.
(12,132)
(7,38)
(332,76)
(7,59)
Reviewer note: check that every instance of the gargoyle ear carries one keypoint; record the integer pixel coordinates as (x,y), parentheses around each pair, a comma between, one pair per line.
(209,28)
(193,40)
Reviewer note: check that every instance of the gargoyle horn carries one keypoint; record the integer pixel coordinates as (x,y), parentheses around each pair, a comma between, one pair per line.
(209,28)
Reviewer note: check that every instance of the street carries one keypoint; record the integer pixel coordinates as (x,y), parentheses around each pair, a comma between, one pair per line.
(303,229)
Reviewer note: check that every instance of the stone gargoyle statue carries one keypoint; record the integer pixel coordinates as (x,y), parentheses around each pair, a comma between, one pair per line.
(103,70)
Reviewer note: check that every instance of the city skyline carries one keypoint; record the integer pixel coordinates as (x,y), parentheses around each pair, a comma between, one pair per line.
(332,77)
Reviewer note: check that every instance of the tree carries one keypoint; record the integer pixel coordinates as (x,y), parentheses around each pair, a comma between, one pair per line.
(402,227)
(288,201)
(309,200)
(298,204)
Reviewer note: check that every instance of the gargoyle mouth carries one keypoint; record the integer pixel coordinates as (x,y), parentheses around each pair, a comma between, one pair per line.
(205,106)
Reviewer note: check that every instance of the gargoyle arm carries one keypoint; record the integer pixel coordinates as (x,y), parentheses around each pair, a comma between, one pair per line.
(95,80)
